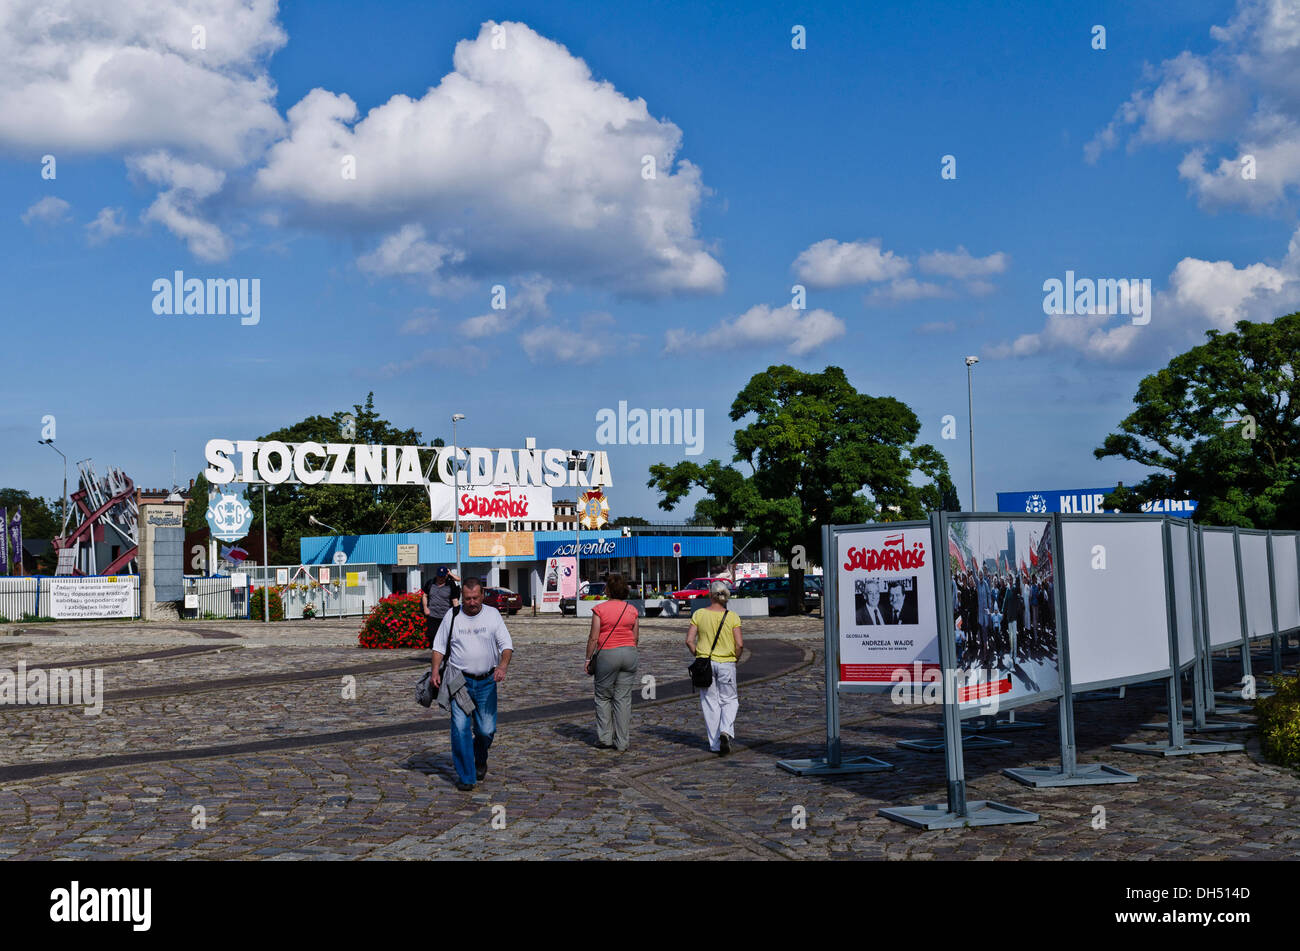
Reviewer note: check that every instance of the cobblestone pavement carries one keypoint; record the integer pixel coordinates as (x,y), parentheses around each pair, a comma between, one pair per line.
(239,751)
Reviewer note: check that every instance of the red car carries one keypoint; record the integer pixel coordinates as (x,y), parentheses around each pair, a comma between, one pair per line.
(503,599)
(698,588)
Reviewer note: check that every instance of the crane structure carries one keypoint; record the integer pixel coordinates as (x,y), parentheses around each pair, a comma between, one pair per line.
(101,505)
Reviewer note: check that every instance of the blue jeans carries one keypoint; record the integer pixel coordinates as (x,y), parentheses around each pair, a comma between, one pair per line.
(470,749)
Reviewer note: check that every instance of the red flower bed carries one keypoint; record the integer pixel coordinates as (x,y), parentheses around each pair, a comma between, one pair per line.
(396,621)
(256,610)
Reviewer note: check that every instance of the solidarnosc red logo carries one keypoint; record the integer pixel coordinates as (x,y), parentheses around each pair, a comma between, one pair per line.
(892,557)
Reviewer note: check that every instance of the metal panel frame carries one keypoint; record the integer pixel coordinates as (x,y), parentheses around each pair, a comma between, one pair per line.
(1112,519)
(948,519)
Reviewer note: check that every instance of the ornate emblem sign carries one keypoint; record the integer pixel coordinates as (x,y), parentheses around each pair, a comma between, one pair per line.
(1036,504)
(593,509)
(229,518)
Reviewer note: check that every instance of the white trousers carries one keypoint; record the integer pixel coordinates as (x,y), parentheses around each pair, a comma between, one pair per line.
(720,703)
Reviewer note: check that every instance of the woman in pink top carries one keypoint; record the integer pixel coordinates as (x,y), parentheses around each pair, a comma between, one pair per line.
(614,633)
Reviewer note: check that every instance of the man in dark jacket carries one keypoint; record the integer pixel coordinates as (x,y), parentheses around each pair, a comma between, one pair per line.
(439,596)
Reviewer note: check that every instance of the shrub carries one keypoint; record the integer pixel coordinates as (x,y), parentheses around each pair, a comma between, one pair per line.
(257,612)
(3,619)
(1279,722)
(396,621)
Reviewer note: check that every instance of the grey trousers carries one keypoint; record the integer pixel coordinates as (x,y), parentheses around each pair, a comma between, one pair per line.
(615,680)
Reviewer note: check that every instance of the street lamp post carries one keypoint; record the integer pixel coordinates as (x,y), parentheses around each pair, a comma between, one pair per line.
(455,482)
(970,406)
(50,443)
(266,567)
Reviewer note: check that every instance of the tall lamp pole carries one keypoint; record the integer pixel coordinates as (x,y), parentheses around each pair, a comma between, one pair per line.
(266,568)
(970,406)
(50,443)
(455,482)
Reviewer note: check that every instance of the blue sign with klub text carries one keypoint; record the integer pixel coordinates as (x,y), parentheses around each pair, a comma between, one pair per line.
(1083,502)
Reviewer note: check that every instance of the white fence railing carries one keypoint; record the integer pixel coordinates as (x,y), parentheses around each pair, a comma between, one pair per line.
(30,597)
(216,597)
(327,600)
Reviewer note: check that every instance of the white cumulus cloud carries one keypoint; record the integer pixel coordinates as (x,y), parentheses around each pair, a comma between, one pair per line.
(831,263)
(1237,107)
(798,331)
(519,159)
(1199,296)
(84,75)
(48,211)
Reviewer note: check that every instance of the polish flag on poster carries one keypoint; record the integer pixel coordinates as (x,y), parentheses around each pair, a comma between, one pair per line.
(955,554)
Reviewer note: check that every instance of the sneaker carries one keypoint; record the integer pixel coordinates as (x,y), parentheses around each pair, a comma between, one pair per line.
(724,745)
(464,787)
(481,771)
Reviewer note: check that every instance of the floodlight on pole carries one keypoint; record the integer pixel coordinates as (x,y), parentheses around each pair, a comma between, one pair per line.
(455,481)
(50,443)
(970,406)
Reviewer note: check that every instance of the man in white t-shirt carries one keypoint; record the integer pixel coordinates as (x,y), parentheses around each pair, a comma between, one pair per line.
(481,650)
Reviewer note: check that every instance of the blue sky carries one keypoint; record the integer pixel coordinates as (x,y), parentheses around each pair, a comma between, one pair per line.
(775,166)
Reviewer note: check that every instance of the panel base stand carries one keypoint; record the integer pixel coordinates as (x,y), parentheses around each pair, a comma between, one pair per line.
(848,764)
(986,725)
(1211,726)
(979,812)
(1236,694)
(969,741)
(1188,748)
(1095,695)
(1219,709)
(1088,774)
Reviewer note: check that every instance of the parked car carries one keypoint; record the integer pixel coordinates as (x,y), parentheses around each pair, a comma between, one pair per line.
(503,599)
(593,590)
(777,592)
(699,588)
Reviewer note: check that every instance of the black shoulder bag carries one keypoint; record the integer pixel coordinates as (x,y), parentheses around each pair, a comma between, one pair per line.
(701,669)
(591,661)
(424,692)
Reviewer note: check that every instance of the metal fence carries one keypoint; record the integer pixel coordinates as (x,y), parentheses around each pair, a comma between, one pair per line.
(30,596)
(351,591)
(216,596)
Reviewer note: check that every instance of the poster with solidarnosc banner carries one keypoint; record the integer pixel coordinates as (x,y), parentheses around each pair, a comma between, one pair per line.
(888,623)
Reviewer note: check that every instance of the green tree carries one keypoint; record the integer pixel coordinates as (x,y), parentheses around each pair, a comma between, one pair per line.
(351,509)
(819,452)
(41,518)
(1220,424)
(196,513)
(1123,499)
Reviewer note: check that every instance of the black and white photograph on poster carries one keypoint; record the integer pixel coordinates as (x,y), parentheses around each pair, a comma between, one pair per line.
(885,601)
(1003,609)
(888,623)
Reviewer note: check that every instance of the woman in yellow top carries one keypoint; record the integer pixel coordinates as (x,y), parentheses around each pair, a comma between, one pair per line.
(715,633)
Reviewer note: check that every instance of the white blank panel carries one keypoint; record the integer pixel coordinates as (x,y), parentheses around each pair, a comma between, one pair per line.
(1221,589)
(1179,536)
(1254,572)
(1118,622)
(1286,571)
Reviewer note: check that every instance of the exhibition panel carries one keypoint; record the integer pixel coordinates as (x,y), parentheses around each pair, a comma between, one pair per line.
(1286,575)
(1118,621)
(1183,570)
(1001,577)
(1254,573)
(888,620)
(1221,599)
